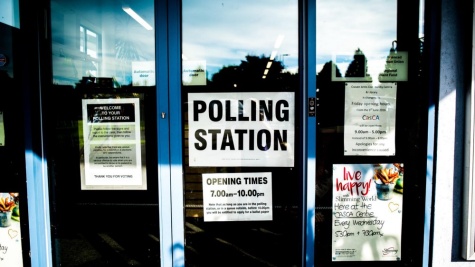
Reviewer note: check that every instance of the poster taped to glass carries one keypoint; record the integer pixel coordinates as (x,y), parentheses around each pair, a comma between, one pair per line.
(113,150)
(241,129)
(367,212)
(237,196)
(10,234)
(370,119)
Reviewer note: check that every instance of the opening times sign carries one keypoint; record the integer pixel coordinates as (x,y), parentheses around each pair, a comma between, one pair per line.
(370,119)
(241,129)
(112,144)
(367,212)
(237,196)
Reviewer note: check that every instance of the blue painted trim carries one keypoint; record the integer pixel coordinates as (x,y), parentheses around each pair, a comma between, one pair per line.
(176,142)
(429,186)
(38,210)
(168,66)
(163,137)
(36,186)
(310,87)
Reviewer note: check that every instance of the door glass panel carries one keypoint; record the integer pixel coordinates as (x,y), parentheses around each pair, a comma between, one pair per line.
(242,186)
(370,133)
(14,233)
(102,134)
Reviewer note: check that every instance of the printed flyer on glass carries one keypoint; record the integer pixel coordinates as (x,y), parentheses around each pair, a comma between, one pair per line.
(10,234)
(237,196)
(113,149)
(367,212)
(370,119)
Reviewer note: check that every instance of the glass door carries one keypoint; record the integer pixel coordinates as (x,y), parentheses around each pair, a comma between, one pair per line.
(102,134)
(242,177)
(14,232)
(371,133)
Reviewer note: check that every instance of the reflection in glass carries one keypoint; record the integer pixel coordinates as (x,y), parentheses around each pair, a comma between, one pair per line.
(99,51)
(356,42)
(349,29)
(354,39)
(223,34)
(103,39)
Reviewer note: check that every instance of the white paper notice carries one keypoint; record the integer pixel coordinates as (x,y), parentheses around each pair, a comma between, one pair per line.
(367,213)
(112,144)
(241,129)
(370,119)
(237,196)
(2,130)
(143,73)
(396,67)
(194,72)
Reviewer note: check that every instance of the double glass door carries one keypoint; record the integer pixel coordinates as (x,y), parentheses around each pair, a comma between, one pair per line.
(201,133)
(153,163)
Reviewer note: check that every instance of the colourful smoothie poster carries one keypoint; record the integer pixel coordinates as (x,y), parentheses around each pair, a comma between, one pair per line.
(10,235)
(367,212)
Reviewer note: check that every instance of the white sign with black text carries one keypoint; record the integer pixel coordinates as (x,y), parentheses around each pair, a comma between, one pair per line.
(112,144)
(193,72)
(241,129)
(370,119)
(396,67)
(237,196)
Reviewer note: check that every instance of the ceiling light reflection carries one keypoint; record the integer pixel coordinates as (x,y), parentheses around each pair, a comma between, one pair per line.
(279,40)
(137,18)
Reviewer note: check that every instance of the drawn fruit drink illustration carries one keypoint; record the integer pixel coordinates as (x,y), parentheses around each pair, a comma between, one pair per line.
(386,178)
(7,207)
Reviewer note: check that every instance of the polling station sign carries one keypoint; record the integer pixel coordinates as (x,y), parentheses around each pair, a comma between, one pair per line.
(241,129)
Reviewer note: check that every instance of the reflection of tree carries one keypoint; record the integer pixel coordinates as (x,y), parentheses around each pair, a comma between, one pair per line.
(248,76)
(357,67)
(325,75)
(129,46)
(330,97)
(125,50)
(330,115)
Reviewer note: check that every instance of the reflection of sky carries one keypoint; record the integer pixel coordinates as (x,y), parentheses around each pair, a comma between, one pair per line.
(116,30)
(346,25)
(224,32)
